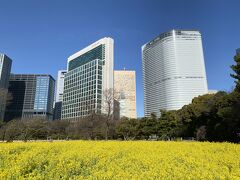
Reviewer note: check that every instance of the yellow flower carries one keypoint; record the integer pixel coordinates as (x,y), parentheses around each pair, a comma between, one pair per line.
(119,160)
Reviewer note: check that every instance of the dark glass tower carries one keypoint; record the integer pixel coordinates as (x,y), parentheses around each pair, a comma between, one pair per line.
(32,96)
(5,69)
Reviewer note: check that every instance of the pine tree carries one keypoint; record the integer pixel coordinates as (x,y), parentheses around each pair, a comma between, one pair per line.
(236,69)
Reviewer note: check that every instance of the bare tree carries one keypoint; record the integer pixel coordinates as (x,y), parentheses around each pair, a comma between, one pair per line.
(36,128)
(109,96)
(3,92)
(12,131)
(59,129)
(3,130)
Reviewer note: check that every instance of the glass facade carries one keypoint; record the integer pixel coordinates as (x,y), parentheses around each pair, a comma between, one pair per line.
(5,69)
(90,72)
(33,96)
(96,53)
(83,90)
(41,96)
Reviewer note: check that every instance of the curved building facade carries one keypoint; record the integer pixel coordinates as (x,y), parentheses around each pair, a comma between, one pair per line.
(173,70)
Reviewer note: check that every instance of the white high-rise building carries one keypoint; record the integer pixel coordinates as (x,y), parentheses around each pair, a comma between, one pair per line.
(90,73)
(173,70)
(59,94)
(60,85)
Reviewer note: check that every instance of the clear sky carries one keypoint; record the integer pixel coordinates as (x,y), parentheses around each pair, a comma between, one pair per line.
(39,35)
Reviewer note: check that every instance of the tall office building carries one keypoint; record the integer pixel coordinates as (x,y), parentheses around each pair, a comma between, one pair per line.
(60,85)
(59,94)
(90,73)
(32,96)
(173,70)
(5,69)
(125,87)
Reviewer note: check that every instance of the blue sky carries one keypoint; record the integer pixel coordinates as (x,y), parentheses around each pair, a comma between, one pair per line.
(40,35)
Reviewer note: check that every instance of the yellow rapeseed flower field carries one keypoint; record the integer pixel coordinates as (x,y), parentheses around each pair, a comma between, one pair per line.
(119,160)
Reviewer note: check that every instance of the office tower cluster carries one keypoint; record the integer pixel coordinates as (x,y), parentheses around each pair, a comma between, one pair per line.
(81,90)
(24,96)
(173,70)
(173,74)
(89,80)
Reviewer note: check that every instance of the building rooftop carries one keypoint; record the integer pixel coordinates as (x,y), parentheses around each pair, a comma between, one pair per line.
(29,75)
(89,47)
(167,34)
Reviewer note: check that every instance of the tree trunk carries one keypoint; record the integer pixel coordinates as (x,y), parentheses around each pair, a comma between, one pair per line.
(107,129)
(4,134)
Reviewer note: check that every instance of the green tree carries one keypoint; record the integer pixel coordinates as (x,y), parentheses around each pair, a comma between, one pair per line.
(168,125)
(236,69)
(147,127)
(127,128)
(151,125)
(228,125)
(197,114)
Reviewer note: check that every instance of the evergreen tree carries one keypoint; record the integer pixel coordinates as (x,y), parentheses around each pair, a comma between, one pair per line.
(236,69)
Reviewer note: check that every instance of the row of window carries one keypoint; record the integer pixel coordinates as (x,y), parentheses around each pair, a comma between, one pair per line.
(79,98)
(79,114)
(83,84)
(84,73)
(81,77)
(96,53)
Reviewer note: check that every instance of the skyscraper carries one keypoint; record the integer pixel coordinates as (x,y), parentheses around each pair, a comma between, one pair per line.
(5,69)
(60,85)
(32,96)
(59,94)
(90,73)
(173,70)
(125,87)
